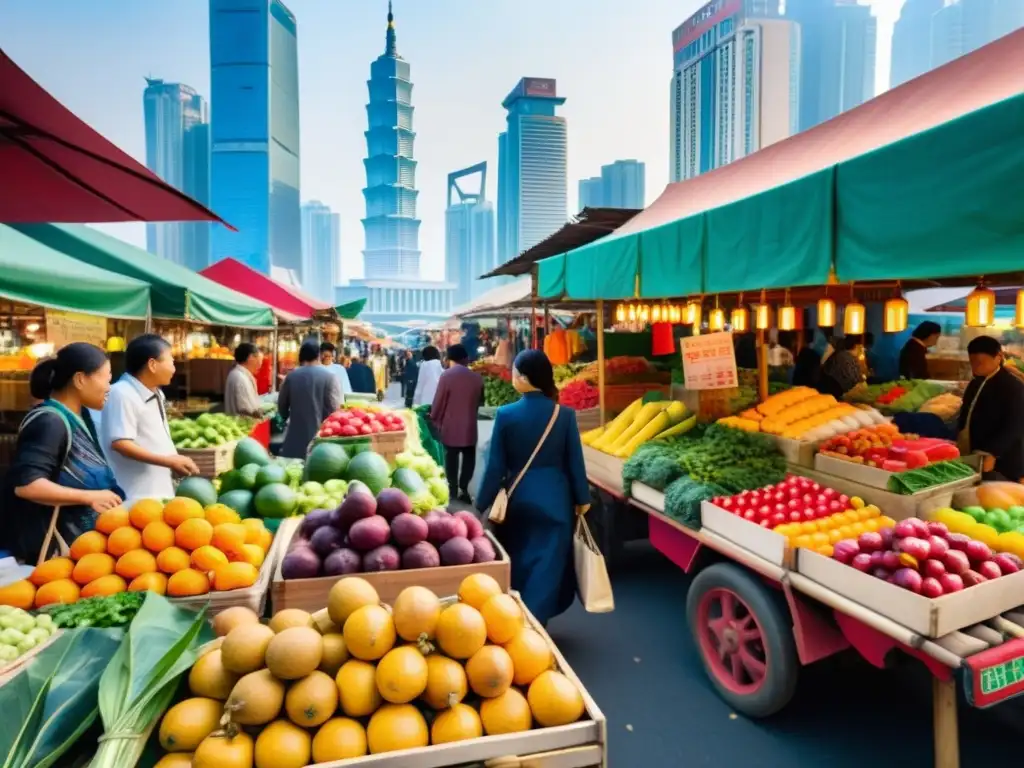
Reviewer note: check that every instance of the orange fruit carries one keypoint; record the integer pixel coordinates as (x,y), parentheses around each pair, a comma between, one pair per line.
(157,536)
(149,582)
(216,514)
(254,528)
(808,526)
(251,553)
(51,570)
(146,511)
(802,541)
(188,583)
(477,589)
(193,534)
(834,535)
(92,567)
(858,529)
(179,509)
(530,654)
(18,594)
(208,558)
(172,560)
(229,537)
(59,591)
(112,519)
(235,576)
(819,539)
(123,540)
(504,617)
(88,543)
(133,564)
(110,584)
(266,538)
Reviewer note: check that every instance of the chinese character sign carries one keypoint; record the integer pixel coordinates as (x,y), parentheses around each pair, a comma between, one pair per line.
(709,361)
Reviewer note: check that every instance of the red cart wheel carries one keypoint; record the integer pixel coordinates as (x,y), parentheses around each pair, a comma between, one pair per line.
(745,639)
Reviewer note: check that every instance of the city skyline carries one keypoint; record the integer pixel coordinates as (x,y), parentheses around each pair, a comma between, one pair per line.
(458,113)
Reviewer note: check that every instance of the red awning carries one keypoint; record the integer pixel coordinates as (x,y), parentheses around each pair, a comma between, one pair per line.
(56,169)
(290,302)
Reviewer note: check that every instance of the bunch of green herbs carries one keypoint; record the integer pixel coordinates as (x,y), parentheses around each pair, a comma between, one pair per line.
(109,611)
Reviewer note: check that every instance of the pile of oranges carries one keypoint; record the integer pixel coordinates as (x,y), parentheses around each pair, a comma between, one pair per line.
(177,549)
(821,534)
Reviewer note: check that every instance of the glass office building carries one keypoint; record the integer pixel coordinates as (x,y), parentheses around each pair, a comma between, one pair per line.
(255,134)
(321,250)
(469,235)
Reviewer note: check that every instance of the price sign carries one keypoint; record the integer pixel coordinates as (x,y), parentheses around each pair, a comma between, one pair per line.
(709,361)
(62,328)
(994,675)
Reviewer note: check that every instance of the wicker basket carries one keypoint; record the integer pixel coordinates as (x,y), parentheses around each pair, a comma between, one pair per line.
(212,461)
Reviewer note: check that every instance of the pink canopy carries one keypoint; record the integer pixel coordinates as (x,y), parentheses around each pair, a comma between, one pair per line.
(290,303)
(56,169)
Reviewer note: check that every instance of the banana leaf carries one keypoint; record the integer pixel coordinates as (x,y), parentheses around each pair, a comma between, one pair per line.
(53,699)
(162,644)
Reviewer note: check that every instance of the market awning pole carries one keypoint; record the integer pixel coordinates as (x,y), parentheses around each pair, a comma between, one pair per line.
(273,367)
(600,360)
(947,735)
(762,367)
(533,308)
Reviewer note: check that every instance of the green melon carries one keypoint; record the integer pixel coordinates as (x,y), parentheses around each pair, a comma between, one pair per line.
(198,488)
(327,461)
(270,474)
(239,500)
(249,451)
(275,501)
(371,469)
(408,480)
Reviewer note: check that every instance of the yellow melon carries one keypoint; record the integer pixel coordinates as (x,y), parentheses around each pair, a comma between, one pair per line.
(490,671)
(555,700)
(461,631)
(402,674)
(369,632)
(459,723)
(396,726)
(357,688)
(340,738)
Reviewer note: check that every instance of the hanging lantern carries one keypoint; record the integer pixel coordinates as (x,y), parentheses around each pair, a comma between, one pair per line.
(716,319)
(656,313)
(895,315)
(645,314)
(692,314)
(739,320)
(981,307)
(854,317)
(1018,318)
(666,312)
(620,313)
(632,313)
(675,314)
(787,317)
(762,316)
(826,313)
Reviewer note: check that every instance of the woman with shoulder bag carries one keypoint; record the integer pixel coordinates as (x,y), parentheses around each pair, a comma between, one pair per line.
(59,480)
(535,476)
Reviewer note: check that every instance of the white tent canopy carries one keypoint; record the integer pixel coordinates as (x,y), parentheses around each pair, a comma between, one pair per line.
(496,298)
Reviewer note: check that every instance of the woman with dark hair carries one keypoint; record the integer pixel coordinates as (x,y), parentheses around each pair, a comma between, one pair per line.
(59,471)
(427,377)
(841,372)
(537,457)
(914,355)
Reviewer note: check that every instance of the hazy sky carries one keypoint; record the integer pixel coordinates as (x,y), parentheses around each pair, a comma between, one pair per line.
(612,60)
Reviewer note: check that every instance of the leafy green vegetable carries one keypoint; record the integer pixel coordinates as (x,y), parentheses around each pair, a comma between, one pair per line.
(141,680)
(683,498)
(914,480)
(52,701)
(111,611)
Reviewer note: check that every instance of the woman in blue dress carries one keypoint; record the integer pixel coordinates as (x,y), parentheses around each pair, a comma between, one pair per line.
(541,514)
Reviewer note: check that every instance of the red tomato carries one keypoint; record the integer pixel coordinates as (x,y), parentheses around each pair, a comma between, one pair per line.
(365,430)
(349,431)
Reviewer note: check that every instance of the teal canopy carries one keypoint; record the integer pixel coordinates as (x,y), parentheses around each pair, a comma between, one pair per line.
(34,273)
(350,310)
(175,291)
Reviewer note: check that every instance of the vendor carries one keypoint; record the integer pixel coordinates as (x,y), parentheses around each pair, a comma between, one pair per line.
(914,355)
(241,392)
(991,420)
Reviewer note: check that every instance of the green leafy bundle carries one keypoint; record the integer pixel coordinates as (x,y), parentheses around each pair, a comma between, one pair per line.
(110,611)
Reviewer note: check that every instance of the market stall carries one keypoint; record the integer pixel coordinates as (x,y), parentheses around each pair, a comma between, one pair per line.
(856,210)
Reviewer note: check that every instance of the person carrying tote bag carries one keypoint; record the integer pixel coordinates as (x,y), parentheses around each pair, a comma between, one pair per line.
(535,485)
(59,480)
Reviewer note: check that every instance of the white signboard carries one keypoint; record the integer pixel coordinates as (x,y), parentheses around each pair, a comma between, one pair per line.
(709,361)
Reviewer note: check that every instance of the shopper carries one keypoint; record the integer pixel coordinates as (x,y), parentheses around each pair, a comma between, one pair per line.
(427,376)
(460,393)
(542,508)
(807,365)
(841,371)
(410,374)
(360,376)
(991,420)
(134,432)
(58,463)
(914,355)
(309,395)
(379,366)
(335,368)
(241,394)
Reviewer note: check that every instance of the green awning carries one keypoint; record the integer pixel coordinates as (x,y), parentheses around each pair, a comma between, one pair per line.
(605,269)
(672,258)
(351,310)
(551,277)
(778,238)
(36,274)
(175,291)
(946,202)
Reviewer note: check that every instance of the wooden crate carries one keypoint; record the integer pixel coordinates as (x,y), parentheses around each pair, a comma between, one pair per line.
(875,477)
(603,469)
(311,594)
(254,597)
(895,505)
(582,744)
(763,542)
(11,668)
(212,461)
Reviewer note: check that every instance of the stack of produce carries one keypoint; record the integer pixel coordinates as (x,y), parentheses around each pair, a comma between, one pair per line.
(992,513)
(638,424)
(801,413)
(20,632)
(495,370)
(896,397)
(946,406)
(209,430)
(620,370)
(566,373)
(498,391)
(579,395)
(925,558)
(107,611)
(178,549)
(705,463)
(366,534)
(360,421)
(363,678)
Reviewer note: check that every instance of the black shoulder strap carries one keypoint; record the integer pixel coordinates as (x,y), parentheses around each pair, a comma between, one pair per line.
(67,425)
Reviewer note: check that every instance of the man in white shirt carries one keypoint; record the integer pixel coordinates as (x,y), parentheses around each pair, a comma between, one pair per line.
(134,433)
(241,397)
(329,360)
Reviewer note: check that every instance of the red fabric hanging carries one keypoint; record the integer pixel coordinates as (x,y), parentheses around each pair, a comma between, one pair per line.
(662,341)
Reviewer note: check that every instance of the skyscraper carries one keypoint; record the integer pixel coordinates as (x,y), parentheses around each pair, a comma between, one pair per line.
(392,229)
(321,250)
(532,185)
(962,26)
(620,185)
(178,151)
(254,77)
(837,43)
(469,234)
(591,193)
(735,86)
(912,40)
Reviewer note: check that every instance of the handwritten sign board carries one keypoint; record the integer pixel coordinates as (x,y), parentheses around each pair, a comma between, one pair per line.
(65,327)
(709,361)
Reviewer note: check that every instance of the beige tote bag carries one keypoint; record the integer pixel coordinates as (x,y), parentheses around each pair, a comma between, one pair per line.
(500,505)
(592,582)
